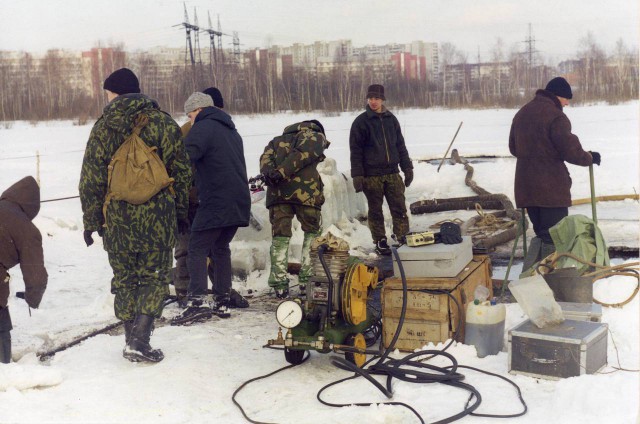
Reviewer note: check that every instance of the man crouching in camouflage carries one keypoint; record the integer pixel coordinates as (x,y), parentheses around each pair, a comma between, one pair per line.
(288,165)
(138,238)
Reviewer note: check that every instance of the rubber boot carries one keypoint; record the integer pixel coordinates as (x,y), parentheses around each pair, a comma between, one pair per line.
(128,326)
(5,347)
(279,262)
(546,250)
(306,271)
(138,349)
(533,257)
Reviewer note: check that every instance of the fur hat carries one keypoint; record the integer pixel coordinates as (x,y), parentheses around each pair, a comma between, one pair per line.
(560,87)
(122,81)
(196,101)
(375,90)
(216,95)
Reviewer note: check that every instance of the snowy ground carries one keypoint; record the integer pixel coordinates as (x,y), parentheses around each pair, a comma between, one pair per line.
(204,364)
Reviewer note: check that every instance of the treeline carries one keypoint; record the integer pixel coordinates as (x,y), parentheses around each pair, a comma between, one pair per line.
(56,88)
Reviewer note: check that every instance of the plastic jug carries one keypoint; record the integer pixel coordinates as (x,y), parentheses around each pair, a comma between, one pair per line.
(484,327)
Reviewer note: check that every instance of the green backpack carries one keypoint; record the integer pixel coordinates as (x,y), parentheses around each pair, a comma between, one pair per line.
(136,172)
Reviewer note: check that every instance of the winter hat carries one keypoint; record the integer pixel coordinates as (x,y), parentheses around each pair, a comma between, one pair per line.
(122,81)
(560,87)
(375,90)
(216,95)
(196,101)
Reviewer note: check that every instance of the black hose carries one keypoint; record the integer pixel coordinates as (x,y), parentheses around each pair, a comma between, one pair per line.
(233,397)
(321,249)
(419,372)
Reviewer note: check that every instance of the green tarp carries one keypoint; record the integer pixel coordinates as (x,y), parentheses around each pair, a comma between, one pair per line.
(580,236)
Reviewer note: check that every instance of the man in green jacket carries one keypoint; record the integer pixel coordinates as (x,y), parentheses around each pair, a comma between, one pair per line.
(138,238)
(288,165)
(377,148)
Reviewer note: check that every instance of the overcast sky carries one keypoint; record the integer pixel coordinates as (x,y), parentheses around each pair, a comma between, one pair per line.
(470,25)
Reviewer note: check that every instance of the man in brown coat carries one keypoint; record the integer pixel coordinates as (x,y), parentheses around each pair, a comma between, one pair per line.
(20,243)
(542,141)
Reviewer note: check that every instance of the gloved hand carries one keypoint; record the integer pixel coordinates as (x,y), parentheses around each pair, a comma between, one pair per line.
(595,158)
(358,183)
(272,178)
(450,233)
(408,177)
(183,226)
(32,297)
(88,239)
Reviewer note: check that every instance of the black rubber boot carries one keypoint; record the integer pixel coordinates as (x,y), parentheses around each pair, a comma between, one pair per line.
(128,326)
(5,347)
(138,349)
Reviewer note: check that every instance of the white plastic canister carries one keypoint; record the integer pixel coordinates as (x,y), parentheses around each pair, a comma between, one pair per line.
(484,327)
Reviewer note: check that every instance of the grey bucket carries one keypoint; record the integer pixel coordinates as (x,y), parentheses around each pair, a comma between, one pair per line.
(569,286)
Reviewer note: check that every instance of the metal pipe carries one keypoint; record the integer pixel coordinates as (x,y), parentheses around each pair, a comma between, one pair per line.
(593,195)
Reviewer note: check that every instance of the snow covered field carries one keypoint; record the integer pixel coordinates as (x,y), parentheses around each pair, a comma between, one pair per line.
(205,363)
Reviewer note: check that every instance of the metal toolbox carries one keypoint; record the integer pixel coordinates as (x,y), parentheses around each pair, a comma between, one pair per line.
(434,260)
(581,311)
(569,349)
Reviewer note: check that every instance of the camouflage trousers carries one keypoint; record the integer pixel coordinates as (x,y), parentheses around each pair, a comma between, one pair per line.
(390,187)
(140,282)
(281,215)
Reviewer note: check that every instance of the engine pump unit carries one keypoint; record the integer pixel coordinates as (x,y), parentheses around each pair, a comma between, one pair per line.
(334,312)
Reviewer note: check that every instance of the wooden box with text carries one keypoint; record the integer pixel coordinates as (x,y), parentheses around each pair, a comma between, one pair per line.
(432,313)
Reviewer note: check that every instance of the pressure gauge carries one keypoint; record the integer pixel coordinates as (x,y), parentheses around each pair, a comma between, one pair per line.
(289,313)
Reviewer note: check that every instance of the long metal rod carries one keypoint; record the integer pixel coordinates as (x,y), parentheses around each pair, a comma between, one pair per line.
(593,196)
(450,144)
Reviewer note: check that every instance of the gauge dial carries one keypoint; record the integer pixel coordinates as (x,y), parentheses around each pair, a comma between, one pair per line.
(289,313)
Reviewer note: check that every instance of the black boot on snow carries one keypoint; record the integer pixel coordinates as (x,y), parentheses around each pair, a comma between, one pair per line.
(197,310)
(282,293)
(220,306)
(236,300)
(138,349)
(128,326)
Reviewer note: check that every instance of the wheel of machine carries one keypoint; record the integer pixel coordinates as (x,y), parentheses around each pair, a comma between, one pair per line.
(293,356)
(356,340)
(355,287)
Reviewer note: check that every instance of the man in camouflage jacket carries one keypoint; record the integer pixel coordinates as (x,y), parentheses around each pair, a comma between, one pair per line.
(288,165)
(139,238)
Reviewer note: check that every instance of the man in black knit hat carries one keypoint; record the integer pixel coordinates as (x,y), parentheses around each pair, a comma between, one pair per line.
(542,141)
(138,238)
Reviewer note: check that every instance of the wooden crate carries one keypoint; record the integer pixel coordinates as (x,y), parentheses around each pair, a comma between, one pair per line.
(431,317)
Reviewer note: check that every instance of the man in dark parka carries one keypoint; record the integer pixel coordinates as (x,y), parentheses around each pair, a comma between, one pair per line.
(20,243)
(542,141)
(216,151)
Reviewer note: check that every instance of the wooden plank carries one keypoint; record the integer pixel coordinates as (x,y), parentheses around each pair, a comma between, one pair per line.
(446,283)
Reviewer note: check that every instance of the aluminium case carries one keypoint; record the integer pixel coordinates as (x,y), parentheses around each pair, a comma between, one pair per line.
(569,349)
(434,260)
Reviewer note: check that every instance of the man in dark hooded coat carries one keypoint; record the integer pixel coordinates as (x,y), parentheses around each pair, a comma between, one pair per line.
(20,243)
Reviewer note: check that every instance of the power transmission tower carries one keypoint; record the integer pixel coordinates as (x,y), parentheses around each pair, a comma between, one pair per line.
(236,47)
(196,28)
(531,47)
(188,52)
(213,54)
(530,41)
